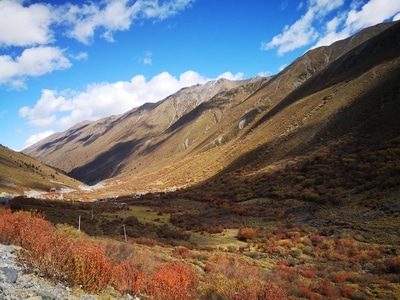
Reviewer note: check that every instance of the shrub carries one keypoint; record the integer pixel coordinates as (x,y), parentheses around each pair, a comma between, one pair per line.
(128,277)
(232,278)
(393,265)
(272,292)
(295,253)
(245,234)
(181,252)
(173,281)
(55,256)
(88,266)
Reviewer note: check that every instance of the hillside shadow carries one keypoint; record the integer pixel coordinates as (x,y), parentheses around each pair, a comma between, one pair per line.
(365,125)
(183,122)
(195,113)
(106,163)
(60,142)
(379,49)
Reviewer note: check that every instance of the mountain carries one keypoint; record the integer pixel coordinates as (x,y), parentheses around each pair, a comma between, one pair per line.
(93,151)
(333,98)
(20,173)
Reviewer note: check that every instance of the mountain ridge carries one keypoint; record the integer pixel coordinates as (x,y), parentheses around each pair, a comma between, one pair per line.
(217,119)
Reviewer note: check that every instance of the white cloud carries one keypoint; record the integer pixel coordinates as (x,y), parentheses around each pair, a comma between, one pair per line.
(37,137)
(299,34)
(83,21)
(28,25)
(147,59)
(66,108)
(32,62)
(314,27)
(79,56)
(264,74)
(302,32)
(373,12)
(31,28)
(357,18)
(230,76)
(281,68)
(24,26)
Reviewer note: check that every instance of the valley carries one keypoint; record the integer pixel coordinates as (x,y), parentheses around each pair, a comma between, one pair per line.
(281,187)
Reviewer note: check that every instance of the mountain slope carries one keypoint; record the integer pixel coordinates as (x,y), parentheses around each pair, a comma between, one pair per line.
(328,95)
(19,173)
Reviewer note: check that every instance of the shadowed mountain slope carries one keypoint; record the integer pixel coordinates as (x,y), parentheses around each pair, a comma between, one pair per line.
(343,94)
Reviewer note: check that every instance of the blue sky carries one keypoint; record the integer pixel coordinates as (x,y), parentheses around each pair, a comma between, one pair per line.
(62,62)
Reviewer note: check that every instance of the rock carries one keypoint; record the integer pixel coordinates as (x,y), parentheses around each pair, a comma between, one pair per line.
(47,295)
(10,275)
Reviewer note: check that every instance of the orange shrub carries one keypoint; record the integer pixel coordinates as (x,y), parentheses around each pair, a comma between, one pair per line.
(181,252)
(39,242)
(88,266)
(245,234)
(128,277)
(273,292)
(173,281)
(347,291)
(57,257)
(232,278)
(10,225)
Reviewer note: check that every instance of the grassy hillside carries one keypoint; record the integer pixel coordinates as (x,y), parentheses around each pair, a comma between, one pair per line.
(19,173)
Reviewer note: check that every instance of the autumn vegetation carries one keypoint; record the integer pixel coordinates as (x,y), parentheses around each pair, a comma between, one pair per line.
(62,255)
(324,227)
(321,228)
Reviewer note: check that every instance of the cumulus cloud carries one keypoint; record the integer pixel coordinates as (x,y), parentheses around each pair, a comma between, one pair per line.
(24,26)
(230,76)
(357,18)
(28,25)
(32,62)
(264,74)
(302,32)
(65,108)
(31,28)
(327,21)
(37,137)
(83,21)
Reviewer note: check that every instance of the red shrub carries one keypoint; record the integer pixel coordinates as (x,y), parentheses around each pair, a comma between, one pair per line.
(273,292)
(327,289)
(393,264)
(181,252)
(10,226)
(245,234)
(128,277)
(88,266)
(309,294)
(346,291)
(173,281)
